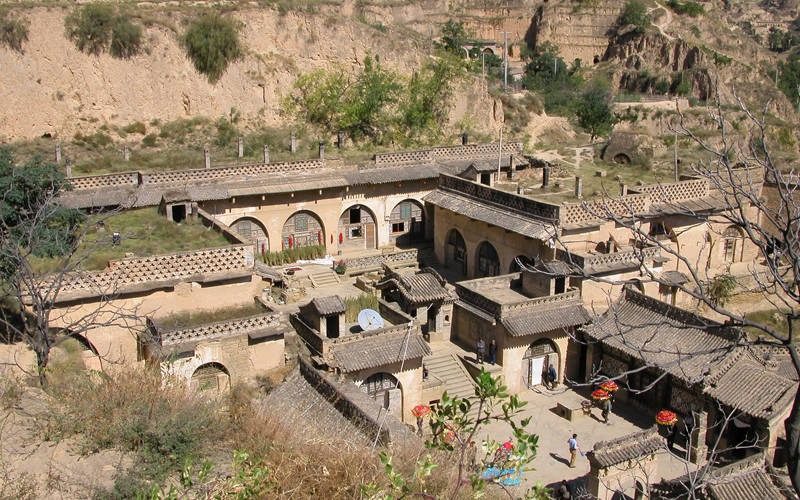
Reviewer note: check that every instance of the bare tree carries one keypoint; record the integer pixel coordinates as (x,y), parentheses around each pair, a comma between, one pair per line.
(43,252)
(736,168)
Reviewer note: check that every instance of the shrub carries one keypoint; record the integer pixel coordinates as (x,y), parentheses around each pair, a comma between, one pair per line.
(212,42)
(662,86)
(290,255)
(95,26)
(126,38)
(226,132)
(135,128)
(691,9)
(90,27)
(149,140)
(635,13)
(13,31)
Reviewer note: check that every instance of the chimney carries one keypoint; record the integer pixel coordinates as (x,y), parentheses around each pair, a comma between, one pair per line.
(321,150)
(545,177)
(623,189)
(340,139)
(58,153)
(578,187)
(266,153)
(126,153)
(241,147)
(69,167)
(293,145)
(207,156)
(464,139)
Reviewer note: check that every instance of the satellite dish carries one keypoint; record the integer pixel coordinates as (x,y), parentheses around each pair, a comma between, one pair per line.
(369,319)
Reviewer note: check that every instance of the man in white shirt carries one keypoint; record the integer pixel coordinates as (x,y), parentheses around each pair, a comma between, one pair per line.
(573,450)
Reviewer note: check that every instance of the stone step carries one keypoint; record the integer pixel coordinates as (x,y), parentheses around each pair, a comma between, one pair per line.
(323,278)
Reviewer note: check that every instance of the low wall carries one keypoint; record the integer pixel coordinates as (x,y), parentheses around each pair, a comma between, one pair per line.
(209,220)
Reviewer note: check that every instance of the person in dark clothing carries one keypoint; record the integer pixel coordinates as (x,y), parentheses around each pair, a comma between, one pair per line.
(424,372)
(493,352)
(563,491)
(672,433)
(552,376)
(480,348)
(605,407)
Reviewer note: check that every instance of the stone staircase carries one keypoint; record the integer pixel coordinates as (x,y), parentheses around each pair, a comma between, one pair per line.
(457,381)
(323,278)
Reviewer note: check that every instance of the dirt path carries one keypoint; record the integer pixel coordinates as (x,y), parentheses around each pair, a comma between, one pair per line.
(667,22)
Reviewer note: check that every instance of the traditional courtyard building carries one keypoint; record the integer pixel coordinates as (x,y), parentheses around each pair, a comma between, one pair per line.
(216,355)
(386,362)
(482,231)
(422,295)
(343,207)
(531,323)
(118,299)
(697,367)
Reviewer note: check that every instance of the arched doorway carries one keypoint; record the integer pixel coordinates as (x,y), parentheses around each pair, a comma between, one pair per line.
(75,349)
(515,264)
(302,229)
(385,389)
(537,360)
(406,223)
(357,228)
(732,244)
(455,252)
(251,229)
(211,377)
(488,262)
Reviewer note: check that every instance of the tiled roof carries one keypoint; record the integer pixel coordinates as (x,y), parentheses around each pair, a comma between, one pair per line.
(748,479)
(674,277)
(490,214)
(416,288)
(699,351)
(539,320)
(625,448)
(262,325)
(377,350)
(326,306)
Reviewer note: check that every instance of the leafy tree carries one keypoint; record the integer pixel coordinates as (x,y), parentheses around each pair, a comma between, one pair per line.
(13,30)
(454,36)
(594,111)
(427,98)
(780,40)
(320,97)
(364,110)
(790,76)
(90,26)
(635,13)
(212,42)
(126,38)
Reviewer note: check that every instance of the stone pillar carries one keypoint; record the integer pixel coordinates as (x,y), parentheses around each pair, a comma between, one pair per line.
(699,450)
(340,139)
(519,189)
(321,150)
(545,177)
(68,165)
(207,156)
(464,139)
(512,164)
(623,189)
(578,187)
(266,153)
(126,153)
(58,153)
(293,143)
(241,147)
(589,361)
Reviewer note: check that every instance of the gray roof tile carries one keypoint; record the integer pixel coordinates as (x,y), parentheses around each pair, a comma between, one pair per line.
(377,350)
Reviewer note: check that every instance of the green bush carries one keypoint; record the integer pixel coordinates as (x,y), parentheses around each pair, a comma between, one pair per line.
(289,255)
(226,132)
(662,86)
(691,9)
(135,128)
(149,140)
(635,13)
(212,42)
(96,26)
(126,38)
(13,31)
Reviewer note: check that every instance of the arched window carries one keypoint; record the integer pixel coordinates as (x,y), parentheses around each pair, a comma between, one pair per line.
(456,251)
(407,222)
(488,261)
(732,241)
(357,228)
(211,376)
(381,387)
(303,229)
(251,229)
(537,360)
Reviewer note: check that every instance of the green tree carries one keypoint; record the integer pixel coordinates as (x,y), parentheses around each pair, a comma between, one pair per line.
(593,110)
(790,77)
(90,26)
(454,36)
(126,38)
(427,98)
(212,42)
(365,110)
(318,98)
(635,13)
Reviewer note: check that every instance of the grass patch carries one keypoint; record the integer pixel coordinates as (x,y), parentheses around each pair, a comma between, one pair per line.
(355,305)
(13,30)
(144,232)
(197,318)
(290,255)
(771,318)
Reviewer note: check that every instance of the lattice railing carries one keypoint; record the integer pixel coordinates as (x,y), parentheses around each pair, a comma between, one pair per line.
(510,201)
(592,261)
(240,172)
(370,261)
(424,156)
(470,151)
(570,295)
(104,181)
(591,211)
(219,329)
(677,191)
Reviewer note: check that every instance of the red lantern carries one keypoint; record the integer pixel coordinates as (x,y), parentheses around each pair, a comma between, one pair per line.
(666,417)
(609,385)
(420,410)
(341,238)
(600,395)
(319,237)
(507,445)
(291,242)
(449,437)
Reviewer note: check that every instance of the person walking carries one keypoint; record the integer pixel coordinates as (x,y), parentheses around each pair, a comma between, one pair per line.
(480,347)
(573,450)
(605,407)
(419,425)
(493,352)
(671,435)
(552,376)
